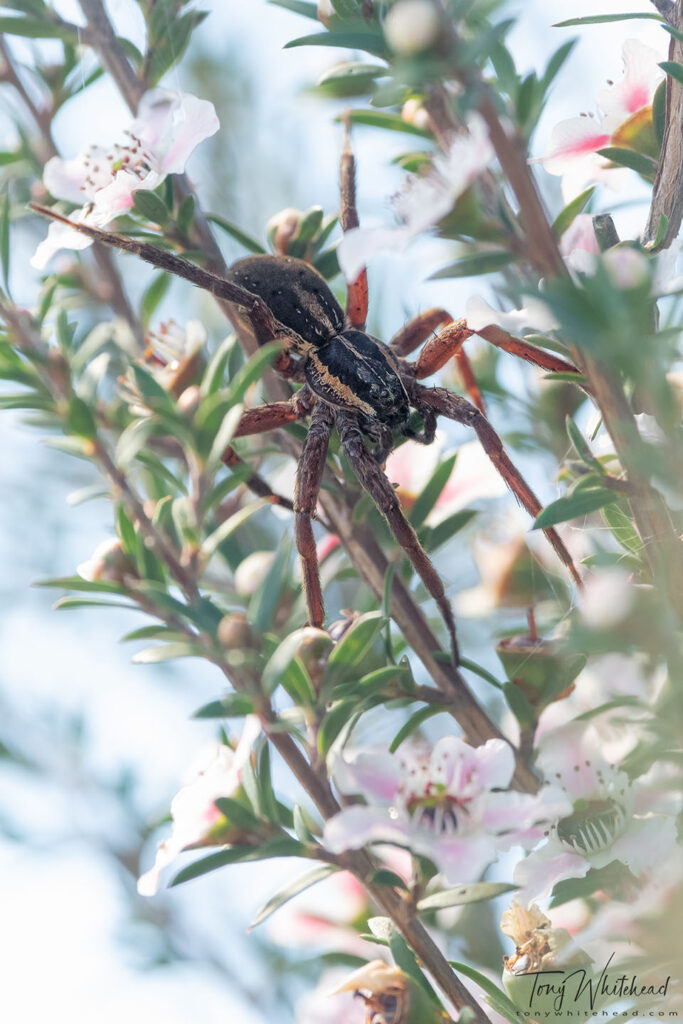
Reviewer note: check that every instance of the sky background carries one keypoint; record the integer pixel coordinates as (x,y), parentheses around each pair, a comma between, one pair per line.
(69,950)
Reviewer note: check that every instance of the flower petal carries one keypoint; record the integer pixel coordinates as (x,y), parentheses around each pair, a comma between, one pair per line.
(59,236)
(636,89)
(358,826)
(541,870)
(373,774)
(172,125)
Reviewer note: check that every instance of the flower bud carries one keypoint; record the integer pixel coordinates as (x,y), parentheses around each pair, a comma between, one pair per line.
(539,668)
(252,571)
(326,12)
(411,26)
(107,563)
(627,268)
(414,112)
(283,228)
(188,401)
(234,632)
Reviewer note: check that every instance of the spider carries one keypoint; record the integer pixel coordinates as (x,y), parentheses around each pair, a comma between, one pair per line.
(352,382)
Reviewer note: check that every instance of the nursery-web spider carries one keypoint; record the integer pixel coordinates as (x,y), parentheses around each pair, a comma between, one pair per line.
(351,382)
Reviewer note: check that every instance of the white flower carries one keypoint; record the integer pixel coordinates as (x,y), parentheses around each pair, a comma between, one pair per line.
(472,478)
(426,199)
(323,1006)
(411,26)
(104,180)
(625,114)
(606,599)
(612,818)
(193,811)
(535,315)
(446,804)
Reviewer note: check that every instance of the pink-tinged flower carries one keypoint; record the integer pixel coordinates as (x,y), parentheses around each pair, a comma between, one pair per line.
(611,819)
(450,804)
(472,479)
(624,120)
(426,199)
(196,819)
(535,315)
(324,1005)
(612,678)
(329,917)
(104,180)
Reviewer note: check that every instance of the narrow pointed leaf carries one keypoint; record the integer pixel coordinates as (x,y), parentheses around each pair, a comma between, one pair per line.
(291,890)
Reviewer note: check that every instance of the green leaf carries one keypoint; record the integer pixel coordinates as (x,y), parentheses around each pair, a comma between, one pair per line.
(612,876)
(308,10)
(334,721)
(371,42)
(603,19)
(353,647)
(473,892)
(285,653)
(223,437)
(440,534)
(303,824)
(232,523)
(240,236)
(619,520)
(238,814)
(519,704)
(34,28)
(80,419)
(166,652)
(78,583)
(644,165)
(581,446)
(496,998)
(233,705)
(169,38)
(414,722)
(150,206)
(407,961)
(80,602)
(556,63)
(385,877)
(254,369)
(290,890)
(132,440)
(572,506)
(390,122)
(431,492)
(352,71)
(673,69)
(571,211)
(4,238)
(234,854)
(472,666)
(185,217)
(659,112)
(474,266)
(153,296)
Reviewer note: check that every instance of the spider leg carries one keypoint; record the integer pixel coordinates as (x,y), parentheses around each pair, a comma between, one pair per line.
(309,476)
(277,414)
(456,408)
(357,292)
(384,496)
(267,327)
(255,482)
(418,330)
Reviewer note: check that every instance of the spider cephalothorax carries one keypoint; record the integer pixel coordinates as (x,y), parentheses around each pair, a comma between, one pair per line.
(352,382)
(345,367)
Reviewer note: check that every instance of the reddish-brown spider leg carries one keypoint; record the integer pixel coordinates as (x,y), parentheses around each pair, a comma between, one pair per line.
(309,476)
(255,482)
(439,348)
(384,496)
(357,292)
(445,403)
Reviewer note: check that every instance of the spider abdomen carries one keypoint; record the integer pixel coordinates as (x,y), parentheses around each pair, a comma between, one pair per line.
(294,292)
(352,371)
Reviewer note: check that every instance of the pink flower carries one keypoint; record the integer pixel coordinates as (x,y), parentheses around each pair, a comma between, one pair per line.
(426,199)
(104,180)
(446,804)
(196,819)
(473,476)
(612,818)
(625,120)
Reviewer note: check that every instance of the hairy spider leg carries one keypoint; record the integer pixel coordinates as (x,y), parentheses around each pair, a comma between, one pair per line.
(267,326)
(259,420)
(439,348)
(357,292)
(309,476)
(456,408)
(384,496)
